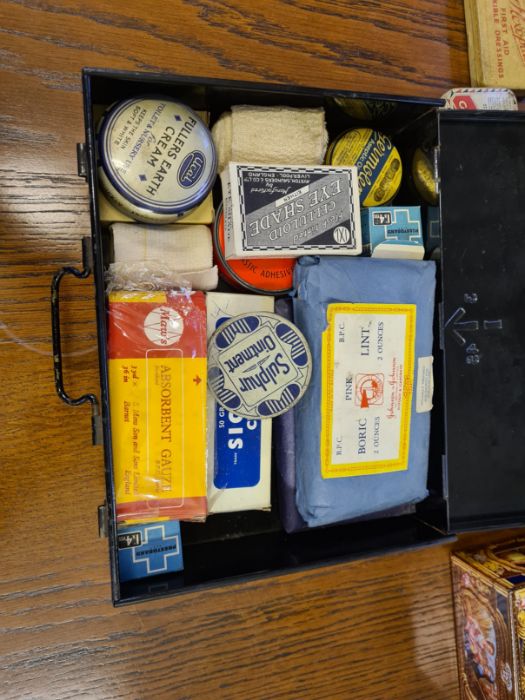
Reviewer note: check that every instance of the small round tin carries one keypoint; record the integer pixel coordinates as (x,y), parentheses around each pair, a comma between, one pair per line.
(365,110)
(378,162)
(157,159)
(259,275)
(423,176)
(259,365)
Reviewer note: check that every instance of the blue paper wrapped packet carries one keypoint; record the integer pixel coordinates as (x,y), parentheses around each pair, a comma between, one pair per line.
(285,461)
(362,429)
(284,444)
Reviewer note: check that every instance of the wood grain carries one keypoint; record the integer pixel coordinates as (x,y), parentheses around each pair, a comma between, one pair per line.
(377,629)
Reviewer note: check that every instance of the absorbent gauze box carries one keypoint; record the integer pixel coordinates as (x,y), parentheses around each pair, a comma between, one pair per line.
(149,549)
(157,395)
(239,449)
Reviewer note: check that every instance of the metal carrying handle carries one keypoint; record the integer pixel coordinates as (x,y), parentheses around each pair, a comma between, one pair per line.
(57,347)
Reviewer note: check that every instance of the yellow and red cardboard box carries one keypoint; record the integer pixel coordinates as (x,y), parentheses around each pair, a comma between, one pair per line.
(157,394)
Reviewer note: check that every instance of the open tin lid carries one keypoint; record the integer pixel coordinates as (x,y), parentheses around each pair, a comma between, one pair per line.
(482,173)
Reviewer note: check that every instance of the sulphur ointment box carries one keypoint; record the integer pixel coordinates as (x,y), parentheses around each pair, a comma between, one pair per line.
(288,211)
(239,449)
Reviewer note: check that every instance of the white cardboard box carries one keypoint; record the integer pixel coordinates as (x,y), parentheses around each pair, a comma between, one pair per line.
(277,211)
(239,449)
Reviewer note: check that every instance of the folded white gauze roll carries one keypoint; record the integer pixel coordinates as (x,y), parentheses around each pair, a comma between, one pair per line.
(162,253)
(222,137)
(276,135)
(183,248)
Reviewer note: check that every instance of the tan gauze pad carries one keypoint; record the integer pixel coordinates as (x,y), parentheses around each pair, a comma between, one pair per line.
(275,135)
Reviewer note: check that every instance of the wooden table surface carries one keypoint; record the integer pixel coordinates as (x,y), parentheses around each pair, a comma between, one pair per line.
(371,630)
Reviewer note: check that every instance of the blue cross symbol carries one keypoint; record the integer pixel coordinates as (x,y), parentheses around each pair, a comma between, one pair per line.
(142,177)
(434,229)
(155,538)
(401,218)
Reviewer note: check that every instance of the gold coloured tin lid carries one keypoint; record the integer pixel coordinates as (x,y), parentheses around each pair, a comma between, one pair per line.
(365,110)
(424,177)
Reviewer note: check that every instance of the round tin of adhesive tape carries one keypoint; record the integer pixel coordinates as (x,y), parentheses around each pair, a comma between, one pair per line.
(259,275)
(423,176)
(378,162)
(157,158)
(259,365)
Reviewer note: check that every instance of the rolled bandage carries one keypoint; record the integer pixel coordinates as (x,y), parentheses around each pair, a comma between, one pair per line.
(277,135)
(183,248)
(222,137)
(158,257)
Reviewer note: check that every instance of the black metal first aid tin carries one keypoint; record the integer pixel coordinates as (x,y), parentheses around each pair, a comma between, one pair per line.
(476,472)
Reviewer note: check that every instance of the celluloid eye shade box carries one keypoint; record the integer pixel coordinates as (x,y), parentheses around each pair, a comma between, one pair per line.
(476,438)
(489,602)
(278,211)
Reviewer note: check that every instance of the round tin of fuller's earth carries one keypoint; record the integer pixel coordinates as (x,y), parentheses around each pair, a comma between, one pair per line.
(157,159)
(259,275)
(424,177)
(259,365)
(378,162)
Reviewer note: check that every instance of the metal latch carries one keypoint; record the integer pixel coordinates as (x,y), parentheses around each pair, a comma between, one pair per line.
(103,520)
(82,168)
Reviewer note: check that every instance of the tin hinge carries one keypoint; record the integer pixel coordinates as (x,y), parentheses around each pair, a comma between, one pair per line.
(82,169)
(444,472)
(441,325)
(436,154)
(103,520)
